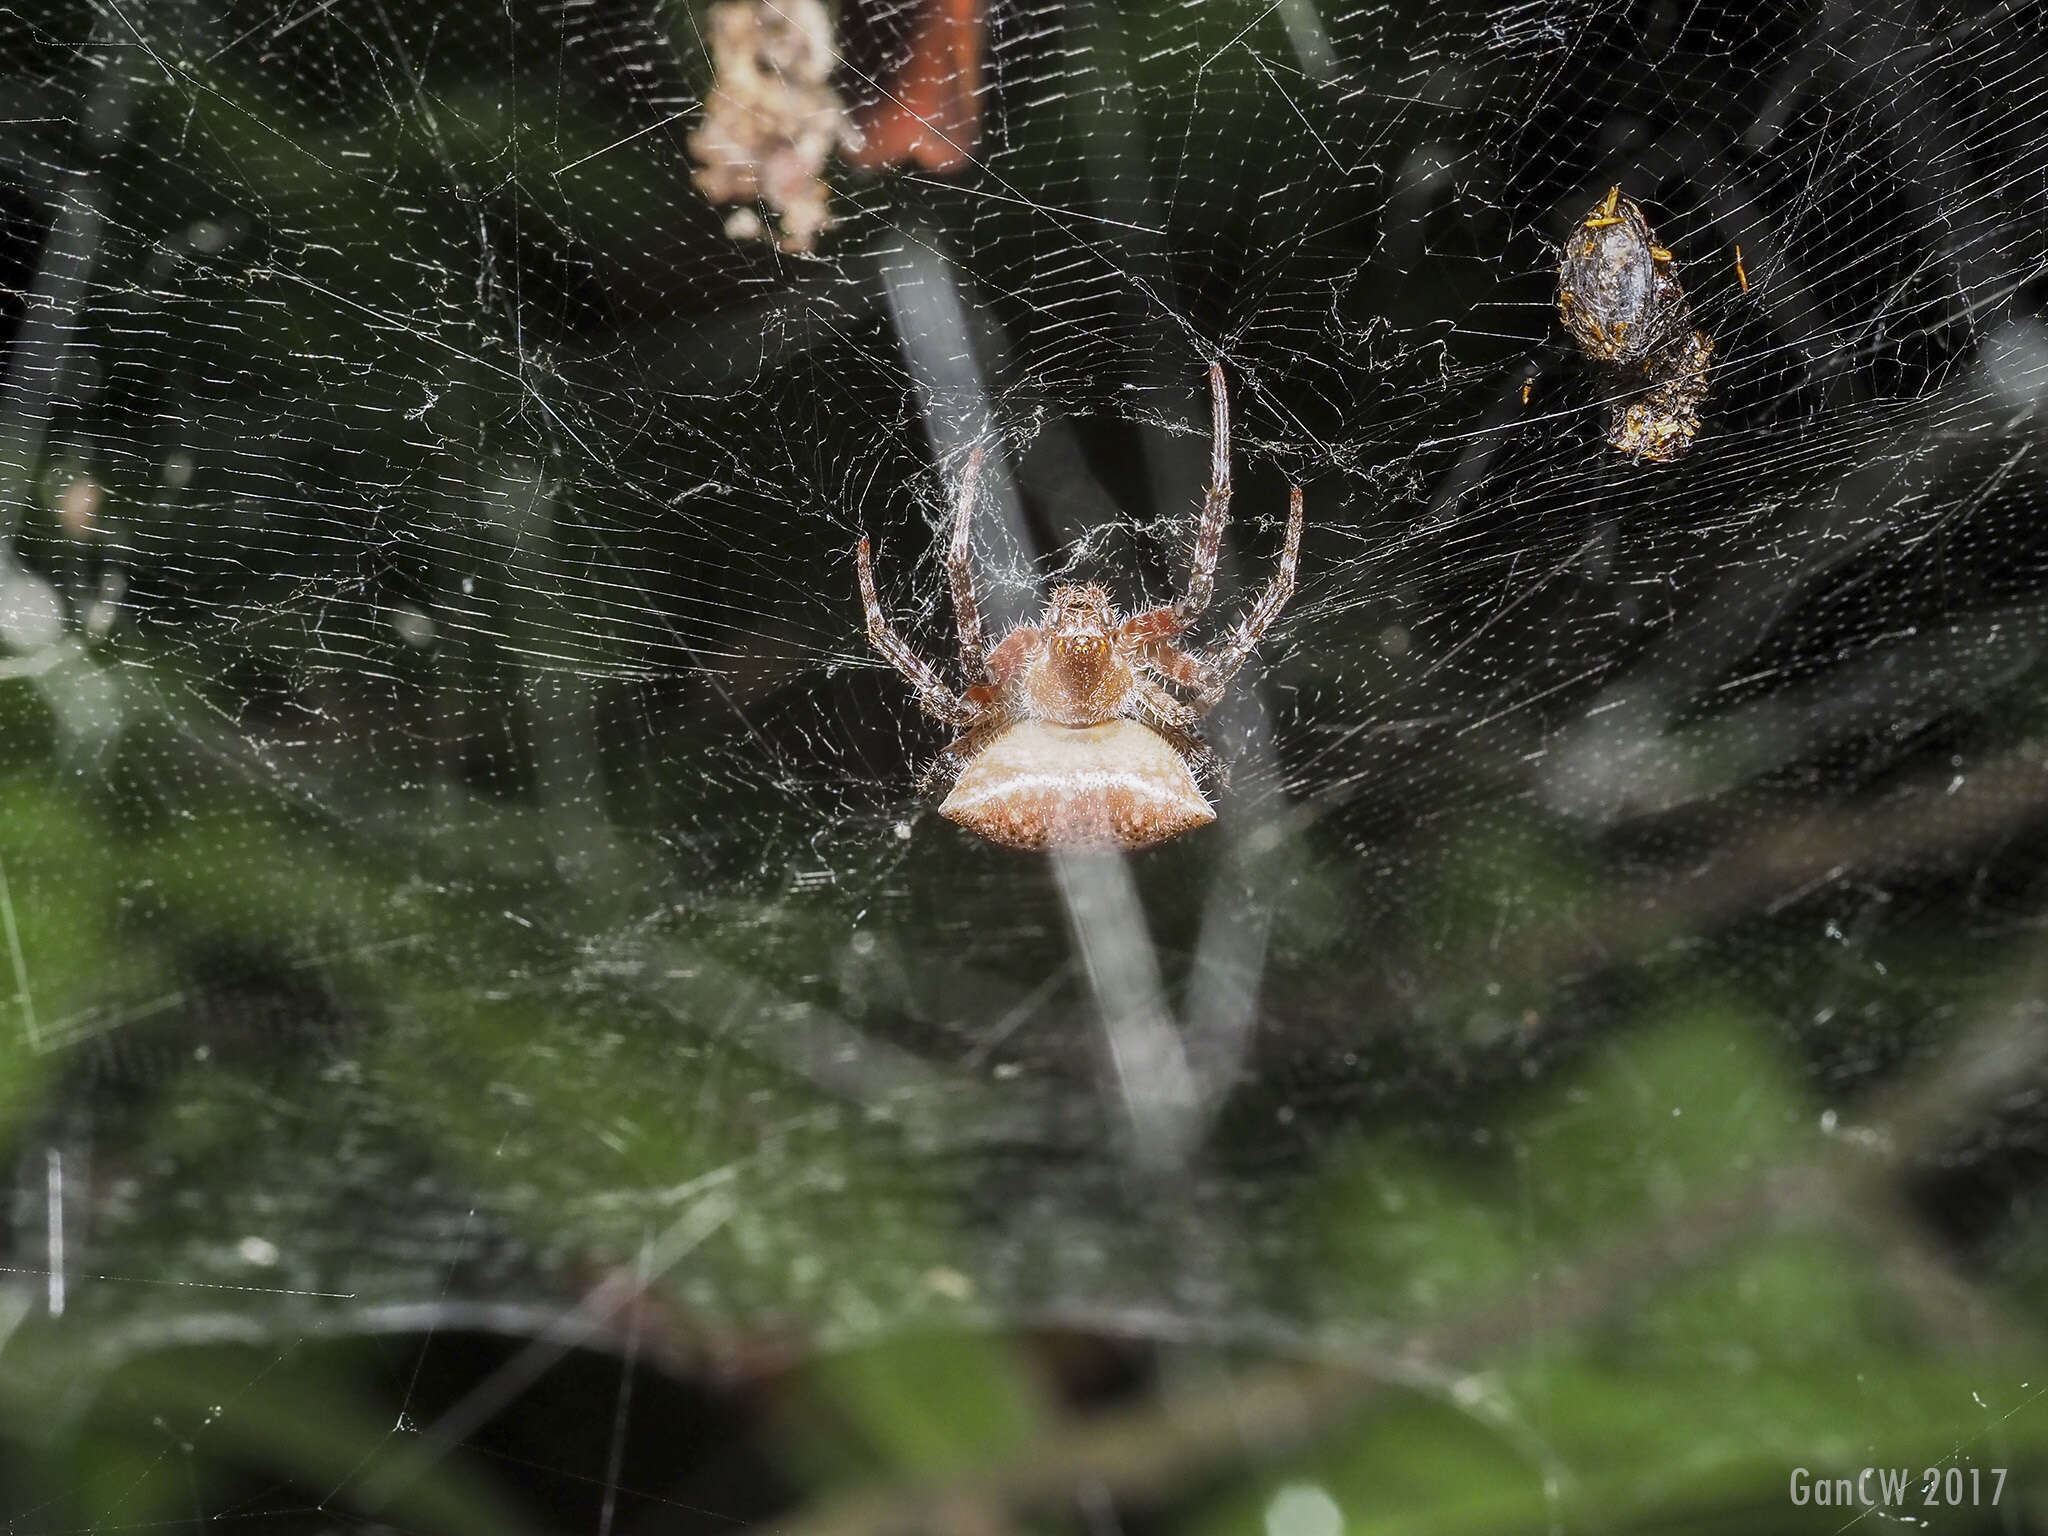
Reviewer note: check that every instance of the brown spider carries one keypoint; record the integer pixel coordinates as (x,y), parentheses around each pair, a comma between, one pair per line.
(1067,736)
(1618,295)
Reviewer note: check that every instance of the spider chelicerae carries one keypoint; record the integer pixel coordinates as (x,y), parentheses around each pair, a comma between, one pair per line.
(1070,734)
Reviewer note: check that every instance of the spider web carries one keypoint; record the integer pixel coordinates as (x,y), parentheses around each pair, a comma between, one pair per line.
(460,849)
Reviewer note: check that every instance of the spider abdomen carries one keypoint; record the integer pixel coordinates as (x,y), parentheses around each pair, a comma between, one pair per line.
(1115,784)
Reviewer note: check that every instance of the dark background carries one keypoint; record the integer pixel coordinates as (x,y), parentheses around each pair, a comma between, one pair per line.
(496,1039)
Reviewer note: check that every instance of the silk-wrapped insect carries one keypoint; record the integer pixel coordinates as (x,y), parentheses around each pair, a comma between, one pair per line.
(1619,298)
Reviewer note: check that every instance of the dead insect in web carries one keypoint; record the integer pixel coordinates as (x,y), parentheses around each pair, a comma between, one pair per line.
(1741,276)
(1619,298)
(1069,735)
(1615,290)
(1660,423)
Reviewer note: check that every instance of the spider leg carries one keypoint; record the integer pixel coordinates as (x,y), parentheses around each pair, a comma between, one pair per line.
(1178,725)
(937,699)
(1221,664)
(1154,643)
(1149,635)
(960,569)
(1011,656)
(964,748)
(1215,506)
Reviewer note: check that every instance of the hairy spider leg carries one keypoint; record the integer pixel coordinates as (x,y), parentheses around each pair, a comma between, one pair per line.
(1012,653)
(1610,210)
(1221,664)
(960,571)
(993,707)
(1162,708)
(1174,723)
(1152,634)
(967,746)
(937,699)
(1215,506)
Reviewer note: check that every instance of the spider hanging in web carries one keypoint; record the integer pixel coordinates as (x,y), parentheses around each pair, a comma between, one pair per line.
(1069,735)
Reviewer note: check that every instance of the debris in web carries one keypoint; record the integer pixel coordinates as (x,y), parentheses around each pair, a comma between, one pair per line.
(1663,422)
(771,119)
(930,115)
(1619,297)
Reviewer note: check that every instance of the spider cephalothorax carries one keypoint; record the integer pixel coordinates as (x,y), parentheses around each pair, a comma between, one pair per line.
(1069,734)
(1078,669)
